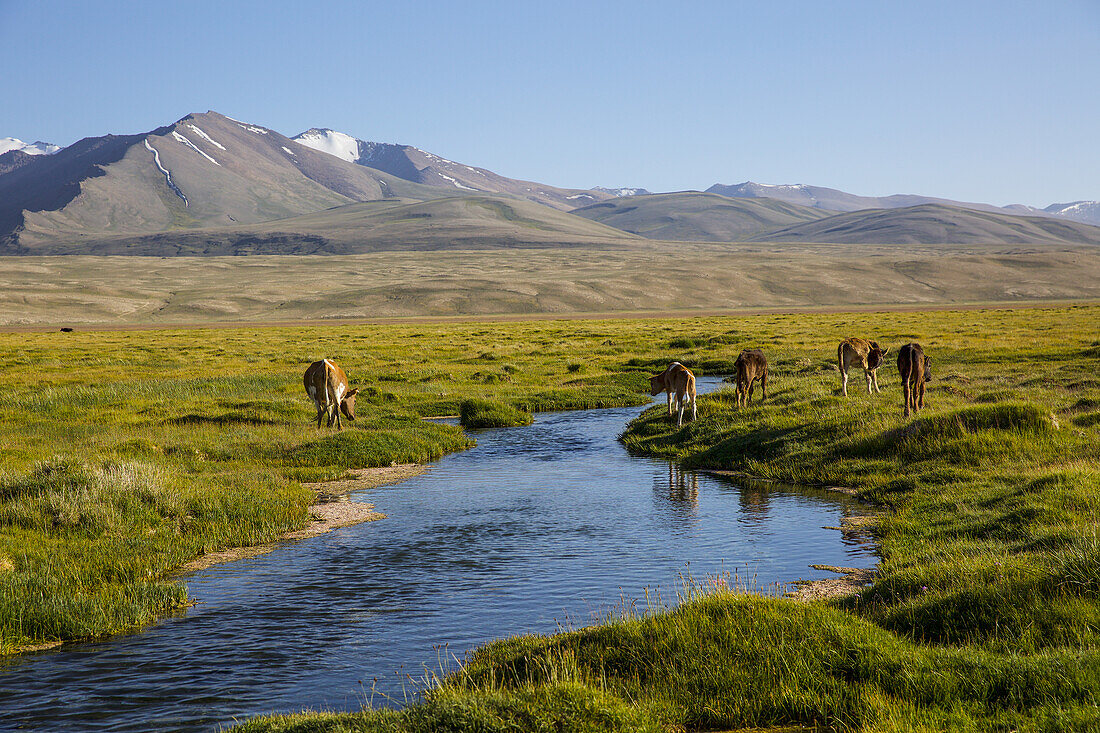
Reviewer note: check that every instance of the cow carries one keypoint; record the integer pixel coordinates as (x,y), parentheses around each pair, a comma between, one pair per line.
(868,354)
(327,386)
(915,369)
(677,380)
(750,366)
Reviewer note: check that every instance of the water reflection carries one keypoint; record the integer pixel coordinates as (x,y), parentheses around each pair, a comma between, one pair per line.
(679,493)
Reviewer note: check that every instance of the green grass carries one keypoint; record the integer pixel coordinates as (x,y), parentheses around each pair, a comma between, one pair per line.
(985,613)
(482,413)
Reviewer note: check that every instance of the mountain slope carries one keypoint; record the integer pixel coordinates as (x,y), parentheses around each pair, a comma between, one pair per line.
(694,216)
(205,170)
(933,224)
(470,222)
(1083,211)
(420,166)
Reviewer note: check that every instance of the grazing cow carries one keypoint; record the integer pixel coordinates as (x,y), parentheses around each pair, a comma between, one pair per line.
(868,354)
(915,369)
(327,386)
(677,380)
(750,366)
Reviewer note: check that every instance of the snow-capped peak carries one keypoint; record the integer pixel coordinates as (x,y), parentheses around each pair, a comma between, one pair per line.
(332,142)
(36,148)
(622,192)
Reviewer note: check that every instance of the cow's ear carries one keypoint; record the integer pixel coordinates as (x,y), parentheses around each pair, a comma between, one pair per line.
(886,351)
(352,393)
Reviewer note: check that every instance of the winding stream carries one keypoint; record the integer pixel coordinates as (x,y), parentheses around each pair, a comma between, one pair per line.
(534,528)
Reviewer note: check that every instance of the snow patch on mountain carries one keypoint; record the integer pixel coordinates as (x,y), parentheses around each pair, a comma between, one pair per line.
(192,145)
(36,148)
(622,192)
(288,150)
(332,142)
(206,137)
(455,182)
(251,128)
(167,175)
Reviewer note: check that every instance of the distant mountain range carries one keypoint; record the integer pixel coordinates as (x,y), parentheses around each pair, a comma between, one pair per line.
(210,184)
(420,166)
(831,199)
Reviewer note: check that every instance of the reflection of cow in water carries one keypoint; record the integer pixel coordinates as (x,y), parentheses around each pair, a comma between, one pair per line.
(753,496)
(677,381)
(681,491)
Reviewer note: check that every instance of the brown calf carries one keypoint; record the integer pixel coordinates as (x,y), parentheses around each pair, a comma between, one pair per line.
(868,354)
(750,366)
(327,386)
(676,380)
(915,369)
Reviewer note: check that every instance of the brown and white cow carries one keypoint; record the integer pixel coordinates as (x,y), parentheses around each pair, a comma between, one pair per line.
(677,380)
(869,356)
(915,369)
(751,365)
(327,386)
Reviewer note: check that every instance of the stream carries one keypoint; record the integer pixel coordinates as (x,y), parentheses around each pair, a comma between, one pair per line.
(537,528)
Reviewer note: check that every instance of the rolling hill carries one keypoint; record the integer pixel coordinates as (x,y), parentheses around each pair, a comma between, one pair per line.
(933,224)
(469,223)
(419,166)
(204,170)
(695,216)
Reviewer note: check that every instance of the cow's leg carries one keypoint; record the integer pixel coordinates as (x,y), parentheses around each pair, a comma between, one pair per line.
(874,378)
(844,381)
(668,395)
(694,409)
(320,412)
(920,396)
(867,374)
(907,392)
(680,409)
(752,386)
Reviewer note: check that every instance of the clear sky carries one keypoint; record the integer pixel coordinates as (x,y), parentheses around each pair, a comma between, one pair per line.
(994,101)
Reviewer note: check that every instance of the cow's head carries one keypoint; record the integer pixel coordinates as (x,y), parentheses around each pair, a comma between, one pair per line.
(347,404)
(656,384)
(876,355)
(928,368)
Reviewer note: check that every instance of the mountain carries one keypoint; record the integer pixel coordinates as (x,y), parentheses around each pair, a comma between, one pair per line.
(420,166)
(204,170)
(36,148)
(933,224)
(622,192)
(1085,211)
(695,216)
(475,222)
(832,199)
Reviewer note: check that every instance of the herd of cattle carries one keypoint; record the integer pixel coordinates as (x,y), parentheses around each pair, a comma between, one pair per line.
(678,383)
(327,384)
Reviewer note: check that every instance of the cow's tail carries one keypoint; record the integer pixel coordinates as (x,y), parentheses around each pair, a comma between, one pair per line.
(329,392)
(840,357)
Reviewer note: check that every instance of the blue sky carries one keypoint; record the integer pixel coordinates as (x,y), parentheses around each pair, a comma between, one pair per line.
(980,101)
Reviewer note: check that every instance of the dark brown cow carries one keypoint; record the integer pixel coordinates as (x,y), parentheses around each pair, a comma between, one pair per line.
(750,366)
(915,369)
(677,380)
(868,354)
(327,386)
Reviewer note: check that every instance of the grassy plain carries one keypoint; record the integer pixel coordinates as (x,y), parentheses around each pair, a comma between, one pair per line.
(985,614)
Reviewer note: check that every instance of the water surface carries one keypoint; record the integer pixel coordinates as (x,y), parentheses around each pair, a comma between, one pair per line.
(535,528)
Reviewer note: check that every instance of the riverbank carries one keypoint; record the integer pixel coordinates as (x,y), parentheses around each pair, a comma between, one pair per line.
(332,510)
(985,611)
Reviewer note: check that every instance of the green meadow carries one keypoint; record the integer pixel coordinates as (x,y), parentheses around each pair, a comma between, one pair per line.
(127,454)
